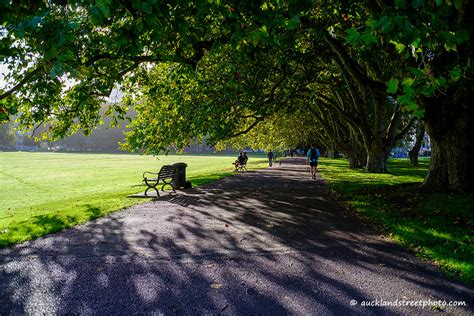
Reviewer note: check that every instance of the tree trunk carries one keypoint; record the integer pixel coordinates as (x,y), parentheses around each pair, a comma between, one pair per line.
(331,153)
(449,123)
(357,158)
(413,153)
(377,156)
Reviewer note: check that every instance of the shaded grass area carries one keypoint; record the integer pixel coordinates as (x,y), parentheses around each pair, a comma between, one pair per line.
(437,226)
(41,193)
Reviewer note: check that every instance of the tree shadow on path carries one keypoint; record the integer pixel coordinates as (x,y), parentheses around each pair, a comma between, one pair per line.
(263,242)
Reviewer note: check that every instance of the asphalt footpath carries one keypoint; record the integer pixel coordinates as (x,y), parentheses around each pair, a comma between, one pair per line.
(266,242)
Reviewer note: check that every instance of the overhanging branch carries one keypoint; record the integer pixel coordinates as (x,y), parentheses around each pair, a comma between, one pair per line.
(20,84)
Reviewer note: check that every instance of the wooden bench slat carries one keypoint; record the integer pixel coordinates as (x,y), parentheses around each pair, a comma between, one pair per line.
(166,172)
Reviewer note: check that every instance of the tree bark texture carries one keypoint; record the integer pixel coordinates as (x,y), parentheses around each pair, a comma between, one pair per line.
(377,156)
(450,123)
(357,158)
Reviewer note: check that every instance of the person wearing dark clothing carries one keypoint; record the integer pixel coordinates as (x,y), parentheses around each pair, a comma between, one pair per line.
(312,157)
(240,160)
(270,157)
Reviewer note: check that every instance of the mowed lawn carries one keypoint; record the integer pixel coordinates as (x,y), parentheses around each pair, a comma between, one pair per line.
(46,192)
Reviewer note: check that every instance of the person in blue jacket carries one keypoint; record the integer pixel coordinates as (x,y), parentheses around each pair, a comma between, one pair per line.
(312,157)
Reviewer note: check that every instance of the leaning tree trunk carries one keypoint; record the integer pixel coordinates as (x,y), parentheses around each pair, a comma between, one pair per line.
(449,122)
(413,153)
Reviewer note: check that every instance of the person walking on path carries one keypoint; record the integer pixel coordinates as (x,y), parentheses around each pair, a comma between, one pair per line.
(270,157)
(312,156)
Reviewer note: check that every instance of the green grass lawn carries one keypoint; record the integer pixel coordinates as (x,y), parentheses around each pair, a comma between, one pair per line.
(437,226)
(42,193)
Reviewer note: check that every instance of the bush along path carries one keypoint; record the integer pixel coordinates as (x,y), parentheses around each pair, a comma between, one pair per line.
(271,241)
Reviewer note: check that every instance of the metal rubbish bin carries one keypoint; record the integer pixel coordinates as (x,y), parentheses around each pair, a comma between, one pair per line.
(179,180)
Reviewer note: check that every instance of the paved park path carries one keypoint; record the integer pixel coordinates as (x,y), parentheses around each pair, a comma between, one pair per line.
(268,242)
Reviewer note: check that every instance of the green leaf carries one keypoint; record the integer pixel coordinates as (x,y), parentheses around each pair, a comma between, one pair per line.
(146,7)
(419,113)
(294,23)
(416,71)
(139,24)
(440,81)
(408,82)
(385,24)
(368,39)
(352,36)
(408,103)
(428,91)
(462,36)
(416,42)
(411,105)
(103,6)
(458,4)
(392,85)
(455,74)
(254,38)
(95,15)
(398,46)
(52,73)
(450,46)
(409,91)
(402,99)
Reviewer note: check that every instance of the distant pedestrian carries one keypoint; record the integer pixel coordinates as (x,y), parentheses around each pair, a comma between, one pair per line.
(270,157)
(312,156)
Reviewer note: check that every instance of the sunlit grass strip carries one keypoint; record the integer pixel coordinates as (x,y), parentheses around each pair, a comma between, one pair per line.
(436,226)
(47,192)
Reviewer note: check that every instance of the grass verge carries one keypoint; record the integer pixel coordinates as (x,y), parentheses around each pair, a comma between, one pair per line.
(436,226)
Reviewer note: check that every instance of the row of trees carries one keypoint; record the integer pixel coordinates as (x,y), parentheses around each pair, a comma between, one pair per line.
(355,75)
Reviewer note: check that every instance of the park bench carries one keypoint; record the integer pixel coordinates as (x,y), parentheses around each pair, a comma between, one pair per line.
(241,167)
(166,175)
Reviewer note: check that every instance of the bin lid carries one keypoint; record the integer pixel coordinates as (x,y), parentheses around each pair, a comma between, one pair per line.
(180,164)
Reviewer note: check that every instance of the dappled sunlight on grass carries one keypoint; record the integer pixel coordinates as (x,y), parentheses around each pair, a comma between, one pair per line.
(437,226)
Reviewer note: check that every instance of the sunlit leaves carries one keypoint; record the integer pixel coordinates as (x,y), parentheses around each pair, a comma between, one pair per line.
(455,74)
(256,36)
(355,38)
(392,85)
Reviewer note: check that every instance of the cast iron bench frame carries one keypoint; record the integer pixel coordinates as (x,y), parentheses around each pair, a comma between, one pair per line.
(241,167)
(166,172)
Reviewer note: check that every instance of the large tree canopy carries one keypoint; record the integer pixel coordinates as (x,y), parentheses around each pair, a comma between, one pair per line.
(218,69)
